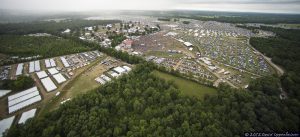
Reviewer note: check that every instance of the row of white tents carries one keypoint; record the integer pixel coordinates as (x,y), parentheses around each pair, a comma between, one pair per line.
(46,80)
(6,123)
(117,71)
(50,63)
(23,99)
(103,79)
(65,62)
(34,66)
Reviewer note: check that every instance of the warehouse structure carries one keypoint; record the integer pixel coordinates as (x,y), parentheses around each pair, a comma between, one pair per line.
(23,99)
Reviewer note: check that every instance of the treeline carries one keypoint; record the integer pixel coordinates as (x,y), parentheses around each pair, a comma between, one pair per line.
(284,50)
(48,46)
(51,27)
(234,17)
(140,104)
(21,83)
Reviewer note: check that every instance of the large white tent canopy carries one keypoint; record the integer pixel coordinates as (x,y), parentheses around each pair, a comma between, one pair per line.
(41,74)
(65,62)
(59,78)
(19,69)
(53,71)
(23,99)
(5,124)
(27,115)
(48,84)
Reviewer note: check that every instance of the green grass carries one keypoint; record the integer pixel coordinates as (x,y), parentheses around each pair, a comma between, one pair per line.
(187,87)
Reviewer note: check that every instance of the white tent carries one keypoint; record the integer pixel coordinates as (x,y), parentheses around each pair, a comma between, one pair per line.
(127,68)
(24,104)
(27,115)
(188,44)
(53,71)
(5,124)
(23,99)
(59,78)
(22,93)
(37,65)
(52,62)
(120,70)
(19,69)
(41,74)
(47,63)
(100,80)
(48,84)
(106,78)
(64,61)
(4,92)
(31,67)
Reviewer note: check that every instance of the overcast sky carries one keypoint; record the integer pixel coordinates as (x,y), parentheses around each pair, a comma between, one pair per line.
(277,6)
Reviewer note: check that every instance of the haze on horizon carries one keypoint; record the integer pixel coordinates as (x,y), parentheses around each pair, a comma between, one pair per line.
(268,6)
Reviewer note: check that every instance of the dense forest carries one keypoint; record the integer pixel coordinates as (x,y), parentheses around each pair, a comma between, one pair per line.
(45,46)
(140,104)
(21,83)
(51,27)
(284,50)
(232,17)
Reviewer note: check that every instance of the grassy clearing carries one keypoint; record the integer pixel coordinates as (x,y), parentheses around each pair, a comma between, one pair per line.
(188,87)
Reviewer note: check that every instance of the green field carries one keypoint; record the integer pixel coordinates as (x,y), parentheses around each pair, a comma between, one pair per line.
(188,87)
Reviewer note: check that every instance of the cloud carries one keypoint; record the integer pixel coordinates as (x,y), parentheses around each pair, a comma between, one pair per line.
(285,6)
(240,1)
